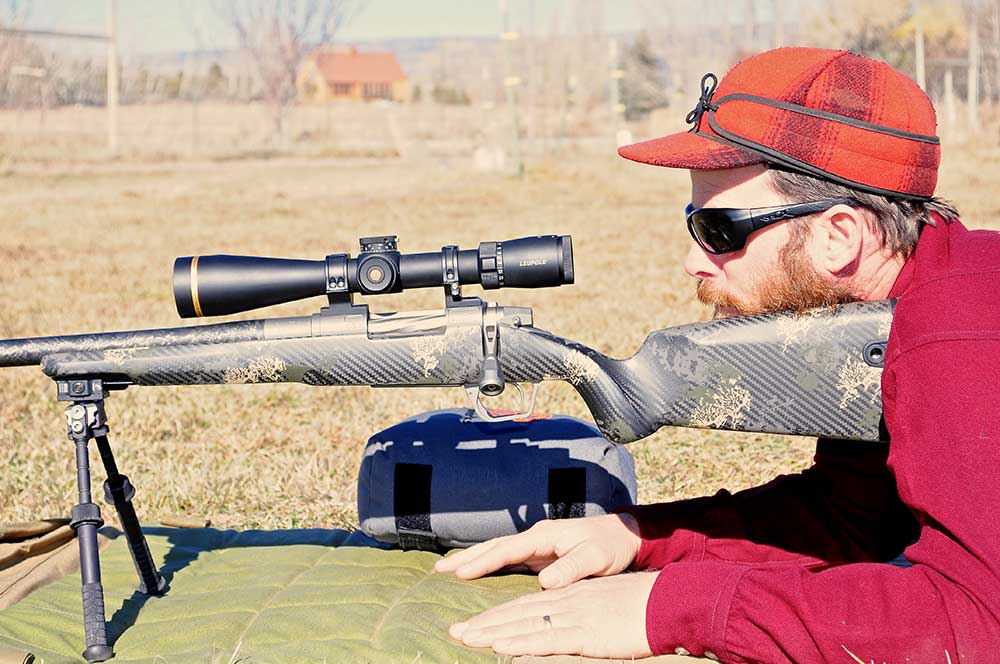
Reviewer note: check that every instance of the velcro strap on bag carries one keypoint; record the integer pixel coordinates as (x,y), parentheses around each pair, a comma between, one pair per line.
(567,493)
(412,506)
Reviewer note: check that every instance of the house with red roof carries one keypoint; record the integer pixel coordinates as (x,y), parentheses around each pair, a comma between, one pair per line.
(329,74)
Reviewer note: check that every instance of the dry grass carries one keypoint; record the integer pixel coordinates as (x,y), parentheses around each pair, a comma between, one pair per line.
(92,250)
(222,131)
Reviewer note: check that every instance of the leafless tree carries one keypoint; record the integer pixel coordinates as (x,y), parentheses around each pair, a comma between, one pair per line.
(277,34)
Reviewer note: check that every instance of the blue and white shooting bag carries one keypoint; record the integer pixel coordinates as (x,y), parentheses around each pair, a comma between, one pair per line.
(448,479)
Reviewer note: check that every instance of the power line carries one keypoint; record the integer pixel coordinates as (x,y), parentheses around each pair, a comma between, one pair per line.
(54,33)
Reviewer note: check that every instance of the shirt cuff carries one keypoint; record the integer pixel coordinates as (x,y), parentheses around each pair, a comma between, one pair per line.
(658,553)
(656,549)
(688,609)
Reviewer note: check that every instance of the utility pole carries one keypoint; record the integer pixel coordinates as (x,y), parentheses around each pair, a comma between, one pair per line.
(918,45)
(973,73)
(615,76)
(113,77)
(510,83)
(778,24)
(727,29)
(568,99)
(532,75)
(749,26)
(949,97)
(194,88)
(995,46)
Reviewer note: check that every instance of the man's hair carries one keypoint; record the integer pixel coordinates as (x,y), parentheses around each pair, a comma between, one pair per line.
(898,221)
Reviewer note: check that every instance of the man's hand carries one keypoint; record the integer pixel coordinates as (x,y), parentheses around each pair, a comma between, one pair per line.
(562,551)
(595,618)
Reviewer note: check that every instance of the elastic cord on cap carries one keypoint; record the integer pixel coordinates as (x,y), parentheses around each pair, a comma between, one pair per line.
(793,163)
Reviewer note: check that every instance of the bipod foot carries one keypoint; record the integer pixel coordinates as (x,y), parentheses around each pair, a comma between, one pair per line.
(98,653)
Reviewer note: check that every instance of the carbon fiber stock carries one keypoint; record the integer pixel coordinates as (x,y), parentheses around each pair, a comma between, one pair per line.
(811,374)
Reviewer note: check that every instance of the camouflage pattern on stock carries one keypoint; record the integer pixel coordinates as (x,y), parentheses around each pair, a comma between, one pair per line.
(781,373)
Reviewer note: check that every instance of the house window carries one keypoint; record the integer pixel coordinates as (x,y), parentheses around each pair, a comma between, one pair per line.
(377,91)
(341,89)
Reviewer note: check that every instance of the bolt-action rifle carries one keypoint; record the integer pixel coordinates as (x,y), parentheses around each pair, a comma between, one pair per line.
(813,374)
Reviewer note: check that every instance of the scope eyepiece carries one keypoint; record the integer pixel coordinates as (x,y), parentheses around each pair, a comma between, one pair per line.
(219,285)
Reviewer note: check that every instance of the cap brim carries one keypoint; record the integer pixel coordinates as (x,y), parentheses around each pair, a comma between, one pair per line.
(689,150)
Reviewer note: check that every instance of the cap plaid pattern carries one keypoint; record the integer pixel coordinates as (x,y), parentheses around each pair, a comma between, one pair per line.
(833,114)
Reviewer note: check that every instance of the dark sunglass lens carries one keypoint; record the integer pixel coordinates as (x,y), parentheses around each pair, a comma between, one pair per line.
(713,230)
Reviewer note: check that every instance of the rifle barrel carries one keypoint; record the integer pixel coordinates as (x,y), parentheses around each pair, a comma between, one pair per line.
(29,352)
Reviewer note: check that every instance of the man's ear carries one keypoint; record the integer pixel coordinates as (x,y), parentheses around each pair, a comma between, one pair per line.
(839,236)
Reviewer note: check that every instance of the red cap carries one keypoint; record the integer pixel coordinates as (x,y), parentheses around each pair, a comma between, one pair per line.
(832,114)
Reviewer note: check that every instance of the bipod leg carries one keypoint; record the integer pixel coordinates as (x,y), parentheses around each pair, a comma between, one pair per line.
(119,490)
(86,519)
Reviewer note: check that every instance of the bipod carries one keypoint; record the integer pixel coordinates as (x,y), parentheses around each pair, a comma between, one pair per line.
(85,419)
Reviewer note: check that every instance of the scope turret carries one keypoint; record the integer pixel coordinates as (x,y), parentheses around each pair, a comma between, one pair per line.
(219,285)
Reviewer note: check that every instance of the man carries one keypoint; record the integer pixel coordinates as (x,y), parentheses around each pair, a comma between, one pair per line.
(793,571)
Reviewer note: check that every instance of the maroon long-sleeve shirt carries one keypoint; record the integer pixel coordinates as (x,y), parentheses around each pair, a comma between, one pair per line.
(791,571)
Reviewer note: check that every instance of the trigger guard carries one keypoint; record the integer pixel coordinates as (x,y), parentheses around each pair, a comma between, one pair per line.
(476,397)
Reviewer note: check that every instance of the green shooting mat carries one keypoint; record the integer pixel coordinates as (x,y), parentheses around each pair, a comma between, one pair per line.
(261,597)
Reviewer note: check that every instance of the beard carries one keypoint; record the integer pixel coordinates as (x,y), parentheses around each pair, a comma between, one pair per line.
(793,284)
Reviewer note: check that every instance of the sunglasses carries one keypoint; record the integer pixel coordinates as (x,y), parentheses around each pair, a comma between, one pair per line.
(721,230)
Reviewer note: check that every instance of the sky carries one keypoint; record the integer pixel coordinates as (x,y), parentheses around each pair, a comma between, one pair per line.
(153,26)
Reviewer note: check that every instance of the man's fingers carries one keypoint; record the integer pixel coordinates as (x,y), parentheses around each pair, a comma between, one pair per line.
(484,637)
(550,641)
(533,604)
(579,562)
(513,551)
(459,558)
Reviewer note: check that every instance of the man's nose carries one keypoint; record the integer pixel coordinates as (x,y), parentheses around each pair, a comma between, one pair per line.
(699,264)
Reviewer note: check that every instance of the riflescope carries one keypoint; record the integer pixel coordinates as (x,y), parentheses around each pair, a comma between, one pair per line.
(219,285)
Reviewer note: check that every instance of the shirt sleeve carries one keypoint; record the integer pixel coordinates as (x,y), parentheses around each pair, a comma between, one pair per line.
(845,508)
(942,407)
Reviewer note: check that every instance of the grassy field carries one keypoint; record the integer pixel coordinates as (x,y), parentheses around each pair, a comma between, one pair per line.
(182,131)
(91,250)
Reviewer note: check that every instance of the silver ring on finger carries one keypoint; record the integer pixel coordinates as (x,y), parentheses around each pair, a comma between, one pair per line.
(548,621)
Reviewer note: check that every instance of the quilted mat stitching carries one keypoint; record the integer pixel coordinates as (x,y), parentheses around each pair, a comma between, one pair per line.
(305,568)
(392,607)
